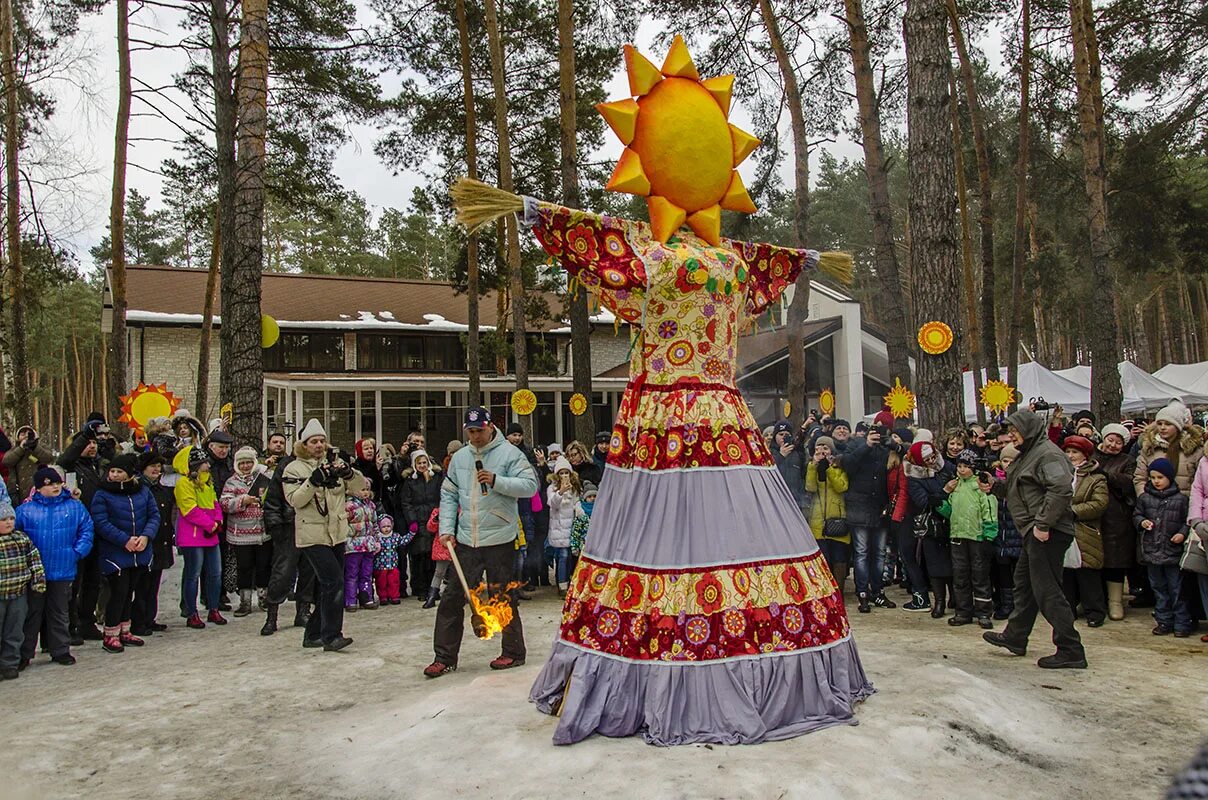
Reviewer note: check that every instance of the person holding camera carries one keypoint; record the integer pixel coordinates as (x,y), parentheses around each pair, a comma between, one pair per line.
(789,456)
(317,484)
(26,457)
(866,463)
(826,483)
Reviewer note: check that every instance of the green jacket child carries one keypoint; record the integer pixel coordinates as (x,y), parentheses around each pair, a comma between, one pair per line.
(972,514)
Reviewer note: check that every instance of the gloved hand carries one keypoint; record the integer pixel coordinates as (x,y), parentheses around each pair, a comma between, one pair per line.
(318,477)
(414,527)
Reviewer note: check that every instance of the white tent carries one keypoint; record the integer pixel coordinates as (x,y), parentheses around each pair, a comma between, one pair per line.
(1034,382)
(1142,391)
(1193,377)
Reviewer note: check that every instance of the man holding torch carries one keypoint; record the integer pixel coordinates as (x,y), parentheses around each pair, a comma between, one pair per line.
(478,523)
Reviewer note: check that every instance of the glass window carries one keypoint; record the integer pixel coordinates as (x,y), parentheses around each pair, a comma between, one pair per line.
(341,418)
(400,413)
(389,353)
(312,407)
(444,354)
(368,413)
(306,351)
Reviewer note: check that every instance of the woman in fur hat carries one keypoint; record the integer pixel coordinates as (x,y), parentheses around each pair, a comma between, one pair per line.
(243,505)
(1174,437)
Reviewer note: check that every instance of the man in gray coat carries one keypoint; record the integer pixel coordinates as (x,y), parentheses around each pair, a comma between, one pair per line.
(1039,489)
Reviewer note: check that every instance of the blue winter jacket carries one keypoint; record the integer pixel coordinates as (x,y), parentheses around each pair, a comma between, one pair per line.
(61,530)
(121,511)
(478,519)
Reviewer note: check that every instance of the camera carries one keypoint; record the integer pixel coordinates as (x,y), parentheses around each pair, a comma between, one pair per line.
(1039,404)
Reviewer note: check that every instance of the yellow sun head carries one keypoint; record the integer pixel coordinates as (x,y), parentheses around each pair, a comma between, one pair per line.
(144,403)
(680,148)
(901,401)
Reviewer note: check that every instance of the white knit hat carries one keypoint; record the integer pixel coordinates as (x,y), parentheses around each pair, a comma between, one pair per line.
(1175,413)
(1118,429)
(924,435)
(416,454)
(562,464)
(246,453)
(312,428)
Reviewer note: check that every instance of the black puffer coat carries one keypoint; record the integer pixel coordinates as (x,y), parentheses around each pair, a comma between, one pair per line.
(867,467)
(1117,528)
(1168,510)
(419,497)
(161,545)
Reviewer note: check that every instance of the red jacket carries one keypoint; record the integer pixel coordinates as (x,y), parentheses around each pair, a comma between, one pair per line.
(899,495)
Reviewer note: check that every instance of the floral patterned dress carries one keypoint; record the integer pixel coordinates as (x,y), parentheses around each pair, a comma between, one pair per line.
(701,609)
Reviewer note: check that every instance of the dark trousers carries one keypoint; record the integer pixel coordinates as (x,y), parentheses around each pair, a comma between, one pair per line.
(327,620)
(287,566)
(86,590)
(909,551)
(1085,585)
(1003,576)
(1170,607)
(534,559)
(496,562)
(146,599)
(121,595)
(1038,590)
(47,614)
(12,629)
(972,594)
(254,564)
(422,570)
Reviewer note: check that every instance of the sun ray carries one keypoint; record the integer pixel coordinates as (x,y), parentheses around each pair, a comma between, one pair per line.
(736,197)
(744,144)
(707,224)
(678,63)
(665,217)
(628,177)
(720,87)
(643,75)
(622,117)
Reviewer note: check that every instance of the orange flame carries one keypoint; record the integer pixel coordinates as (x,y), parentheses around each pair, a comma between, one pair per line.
(494,613)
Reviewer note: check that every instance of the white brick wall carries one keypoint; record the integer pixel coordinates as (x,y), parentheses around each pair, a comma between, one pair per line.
(607,349)
(171,356)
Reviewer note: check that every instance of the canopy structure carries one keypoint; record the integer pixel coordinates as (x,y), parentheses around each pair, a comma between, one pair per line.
(1142,391)
(1193,377)
(1034,382)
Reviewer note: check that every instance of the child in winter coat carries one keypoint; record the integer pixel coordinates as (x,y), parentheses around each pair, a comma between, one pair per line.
(61,529)
(973,526)
(580,527)
(826,483)
(564,493)
(1008,545)
(198,524)
(440,560)
(20,572)
(385,563)
(146,594)
(243,504)
(1161,517)
(362,545)
(126,521)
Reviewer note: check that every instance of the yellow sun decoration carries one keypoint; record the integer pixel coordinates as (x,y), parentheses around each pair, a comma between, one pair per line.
(146,402)
(900,400)
(680,148)
(997,395)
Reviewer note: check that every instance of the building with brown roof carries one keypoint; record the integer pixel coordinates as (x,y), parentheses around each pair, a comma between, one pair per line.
(380,356)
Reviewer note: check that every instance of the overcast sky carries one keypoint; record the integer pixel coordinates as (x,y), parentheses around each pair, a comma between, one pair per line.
(85,120)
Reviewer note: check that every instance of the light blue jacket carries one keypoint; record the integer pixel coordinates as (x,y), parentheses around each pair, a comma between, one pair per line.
(478,519)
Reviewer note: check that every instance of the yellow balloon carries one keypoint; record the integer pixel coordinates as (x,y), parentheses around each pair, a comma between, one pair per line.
(270,332)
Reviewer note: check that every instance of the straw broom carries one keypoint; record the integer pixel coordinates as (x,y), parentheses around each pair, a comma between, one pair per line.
(478,204)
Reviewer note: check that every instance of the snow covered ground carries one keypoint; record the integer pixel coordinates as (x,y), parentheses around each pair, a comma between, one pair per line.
(225,713)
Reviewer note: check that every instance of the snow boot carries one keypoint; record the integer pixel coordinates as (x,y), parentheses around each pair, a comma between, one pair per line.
(112,641)
(128,638)
(1115,601)
(216,617)
(918,602)
(433,596)
(938,593)
(270,622)
(196,621)
(864,606)
(245,603)
(301,614)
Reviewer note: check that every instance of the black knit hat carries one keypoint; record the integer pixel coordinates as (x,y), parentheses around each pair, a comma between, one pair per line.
(514,427)
(45,476)
(127,463)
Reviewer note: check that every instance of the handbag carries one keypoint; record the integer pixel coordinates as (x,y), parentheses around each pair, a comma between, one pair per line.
(930,525)
(1195,557)
(834,528)
(1073,556)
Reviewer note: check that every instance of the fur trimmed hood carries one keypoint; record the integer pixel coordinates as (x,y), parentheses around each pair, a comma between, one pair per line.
(1191,439)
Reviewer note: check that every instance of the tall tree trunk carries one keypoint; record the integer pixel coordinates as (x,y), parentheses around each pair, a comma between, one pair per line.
(515,272)
(985,199)
(207,325)
(241,354)
(224,142)
(580,324)
(799,308)
(117,225)
(884,247)
(1105,382)
(473,351)
(19,364)
(933,252)
(1020,244)
(971,341)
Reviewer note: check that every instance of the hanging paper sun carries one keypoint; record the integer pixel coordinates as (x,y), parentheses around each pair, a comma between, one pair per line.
(145,403)
(935,337)
(680,149)
(578,404)
(826,401)
(900,400)
(524,402)
(997,396)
